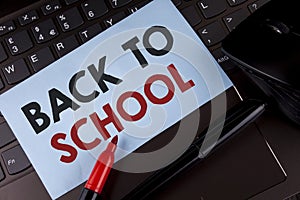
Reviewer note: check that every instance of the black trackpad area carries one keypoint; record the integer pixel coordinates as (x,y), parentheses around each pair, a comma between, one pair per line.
(241,168)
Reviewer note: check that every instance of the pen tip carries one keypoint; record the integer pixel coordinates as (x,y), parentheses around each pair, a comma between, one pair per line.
(115,140)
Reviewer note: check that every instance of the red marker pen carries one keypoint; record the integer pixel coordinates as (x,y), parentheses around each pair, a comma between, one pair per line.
(97,179)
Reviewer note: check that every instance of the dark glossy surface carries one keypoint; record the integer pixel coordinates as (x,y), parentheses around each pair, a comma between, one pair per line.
(267,46)
(264,45)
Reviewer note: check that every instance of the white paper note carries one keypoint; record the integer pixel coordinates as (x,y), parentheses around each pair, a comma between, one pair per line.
(162,66)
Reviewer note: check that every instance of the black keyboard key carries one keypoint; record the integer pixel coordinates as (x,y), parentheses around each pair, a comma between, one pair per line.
(15,160)
(28,17)
(114,19)
(7,27)
(224,61)
(176,2)
(44,31)
(191,15)
(118,3)
(19,43)
(212,33)
(211,8)
(66,45)
(138,6)
(90,32)
(235,18)
(1,87)
(3,55)
(70,19)
(235,2)
(16,71)
(69,2)
(94,9)
(1,174)
(51,7)
(256,5)
(6,135)
(41,59)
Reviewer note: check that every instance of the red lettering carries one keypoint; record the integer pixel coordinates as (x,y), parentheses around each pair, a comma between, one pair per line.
(139,98)
(183,86)
(100,124)
(63,147)
(74,135)
(151,96)
(111,118)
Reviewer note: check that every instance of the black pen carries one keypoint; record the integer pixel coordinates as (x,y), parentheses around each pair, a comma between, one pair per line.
(241,117)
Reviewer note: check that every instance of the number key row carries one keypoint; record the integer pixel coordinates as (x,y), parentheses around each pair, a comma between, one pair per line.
(69,20)
(19,42)
(46,30)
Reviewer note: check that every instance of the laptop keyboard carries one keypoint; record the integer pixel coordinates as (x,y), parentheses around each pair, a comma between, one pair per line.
(48,30)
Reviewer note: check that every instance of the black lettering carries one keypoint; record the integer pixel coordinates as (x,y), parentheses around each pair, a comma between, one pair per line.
(76,94)
(33,113)
(99,75)
(55,95)
(131,44)
(166,33)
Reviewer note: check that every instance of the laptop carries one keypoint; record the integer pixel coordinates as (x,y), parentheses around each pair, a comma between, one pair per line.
(27,41)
